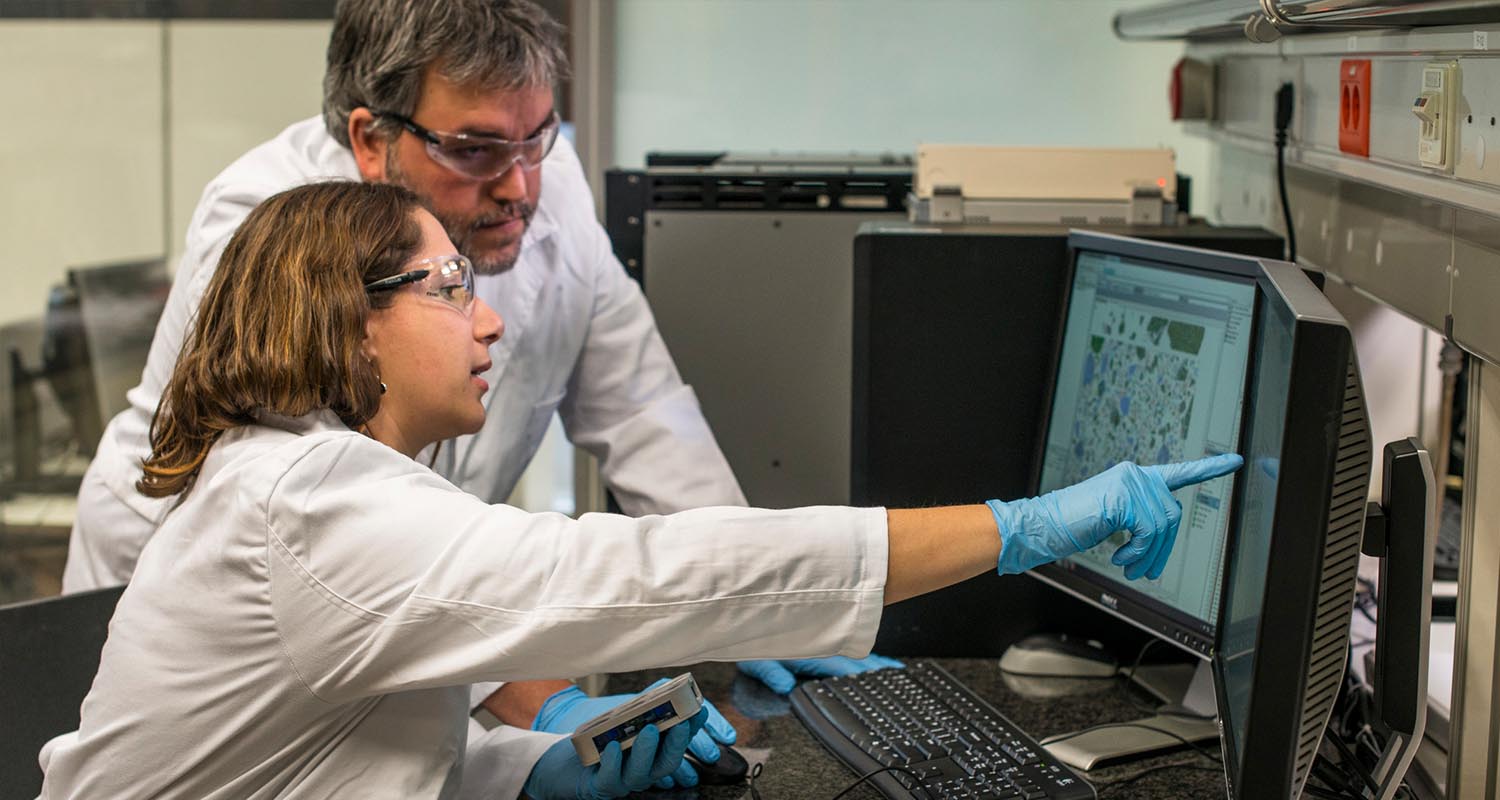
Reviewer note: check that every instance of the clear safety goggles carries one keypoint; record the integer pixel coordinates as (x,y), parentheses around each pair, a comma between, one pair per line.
(447,278)
(482,158)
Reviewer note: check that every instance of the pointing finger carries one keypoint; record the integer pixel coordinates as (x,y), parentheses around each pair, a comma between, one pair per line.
(1188,473)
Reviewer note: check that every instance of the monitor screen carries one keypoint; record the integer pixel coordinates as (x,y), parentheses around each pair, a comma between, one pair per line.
(1152,369)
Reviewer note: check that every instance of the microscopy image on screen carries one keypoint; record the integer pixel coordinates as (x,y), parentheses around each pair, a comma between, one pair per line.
(1152,370)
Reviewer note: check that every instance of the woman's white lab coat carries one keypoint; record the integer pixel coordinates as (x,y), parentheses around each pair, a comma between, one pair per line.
(306,622)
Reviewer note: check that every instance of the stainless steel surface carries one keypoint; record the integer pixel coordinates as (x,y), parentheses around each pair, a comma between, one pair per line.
(1420,242)
(1389,245)
(1201,18)
(1476,286)
(1209,18)
(1475,722)
(756,308)
(1274,21)
(1151,211)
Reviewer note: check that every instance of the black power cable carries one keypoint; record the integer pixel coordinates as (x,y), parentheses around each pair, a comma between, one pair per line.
(868,775)
(756,770)
(1283,121)
(1105,787)
(1145,708)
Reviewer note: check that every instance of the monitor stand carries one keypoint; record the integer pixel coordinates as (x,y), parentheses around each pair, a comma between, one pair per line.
(1189,711)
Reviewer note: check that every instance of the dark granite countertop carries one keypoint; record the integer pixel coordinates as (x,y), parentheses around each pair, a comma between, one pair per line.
(796,767)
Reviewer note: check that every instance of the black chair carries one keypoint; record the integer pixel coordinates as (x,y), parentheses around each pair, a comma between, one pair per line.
(49,652)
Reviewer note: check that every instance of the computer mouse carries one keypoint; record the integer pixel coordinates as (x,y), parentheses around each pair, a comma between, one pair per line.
(730,768)
(1058,655)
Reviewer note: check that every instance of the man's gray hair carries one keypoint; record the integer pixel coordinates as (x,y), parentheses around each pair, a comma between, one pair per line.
(380,50)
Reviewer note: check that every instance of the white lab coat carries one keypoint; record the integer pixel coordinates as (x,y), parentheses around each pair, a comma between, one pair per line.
(303,623)
(579,339)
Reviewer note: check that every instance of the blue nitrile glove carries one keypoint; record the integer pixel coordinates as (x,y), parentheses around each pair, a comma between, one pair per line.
(560,775)
(564,711)
(1124,497)
(781,676)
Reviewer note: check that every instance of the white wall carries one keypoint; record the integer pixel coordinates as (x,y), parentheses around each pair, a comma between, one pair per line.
(234,84)
(116,126)
(80,152)
(873,75)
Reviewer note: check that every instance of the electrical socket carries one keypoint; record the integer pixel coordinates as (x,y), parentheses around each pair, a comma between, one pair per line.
(1354,106)
(1437,109)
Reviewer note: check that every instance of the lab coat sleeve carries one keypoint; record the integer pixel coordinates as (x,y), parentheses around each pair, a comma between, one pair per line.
(627,405)
(498,762)
(384,578)
(479,691)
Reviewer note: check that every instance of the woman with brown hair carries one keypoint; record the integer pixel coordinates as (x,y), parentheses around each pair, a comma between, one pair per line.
(306,620)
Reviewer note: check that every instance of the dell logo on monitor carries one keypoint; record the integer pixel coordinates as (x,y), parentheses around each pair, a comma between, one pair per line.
(1109,601)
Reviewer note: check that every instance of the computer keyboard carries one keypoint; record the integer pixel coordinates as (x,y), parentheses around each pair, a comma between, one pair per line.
(923,719)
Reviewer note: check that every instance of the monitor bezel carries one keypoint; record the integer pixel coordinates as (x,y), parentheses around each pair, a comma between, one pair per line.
(1322,357)
(1189,634)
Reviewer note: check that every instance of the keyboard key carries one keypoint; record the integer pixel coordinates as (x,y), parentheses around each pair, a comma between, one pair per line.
(906,752)
(840,716)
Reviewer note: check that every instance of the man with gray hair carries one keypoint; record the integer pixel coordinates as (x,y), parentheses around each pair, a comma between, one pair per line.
(453,99)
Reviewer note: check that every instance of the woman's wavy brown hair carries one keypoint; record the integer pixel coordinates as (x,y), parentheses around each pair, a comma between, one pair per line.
(282,321)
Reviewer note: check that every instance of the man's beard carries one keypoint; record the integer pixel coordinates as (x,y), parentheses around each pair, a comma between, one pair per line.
(463,229)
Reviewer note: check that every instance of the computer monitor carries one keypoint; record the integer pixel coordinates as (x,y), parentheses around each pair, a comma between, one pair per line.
(1151,367)
(1171,353)
(1292,564)
(98,331)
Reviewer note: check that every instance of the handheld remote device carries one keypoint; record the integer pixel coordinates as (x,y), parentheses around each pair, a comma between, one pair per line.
(666,705)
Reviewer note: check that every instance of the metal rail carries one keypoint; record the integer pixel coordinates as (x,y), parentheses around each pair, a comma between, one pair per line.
(1266,20)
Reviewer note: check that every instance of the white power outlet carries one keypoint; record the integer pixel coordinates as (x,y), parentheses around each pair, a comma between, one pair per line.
(1437,108)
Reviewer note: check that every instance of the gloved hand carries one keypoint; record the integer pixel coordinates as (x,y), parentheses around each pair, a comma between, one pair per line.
(1124,497)
(781,676)
(560,775)
(564,711)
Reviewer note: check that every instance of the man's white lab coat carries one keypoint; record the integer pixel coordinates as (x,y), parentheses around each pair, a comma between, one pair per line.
(303,624)
(579,339)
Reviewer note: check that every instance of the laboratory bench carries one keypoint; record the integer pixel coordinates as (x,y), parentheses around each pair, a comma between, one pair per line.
(797,767)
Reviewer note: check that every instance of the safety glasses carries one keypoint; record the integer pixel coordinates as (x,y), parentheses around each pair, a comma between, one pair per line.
(447,278)
(482,157)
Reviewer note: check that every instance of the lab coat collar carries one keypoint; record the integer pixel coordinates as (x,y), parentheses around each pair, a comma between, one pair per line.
(316,422)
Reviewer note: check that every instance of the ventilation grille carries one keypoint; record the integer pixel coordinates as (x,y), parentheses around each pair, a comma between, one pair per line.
(1330,635)
(779,193)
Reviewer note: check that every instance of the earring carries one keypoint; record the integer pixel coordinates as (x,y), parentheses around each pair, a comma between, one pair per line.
(377,375)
